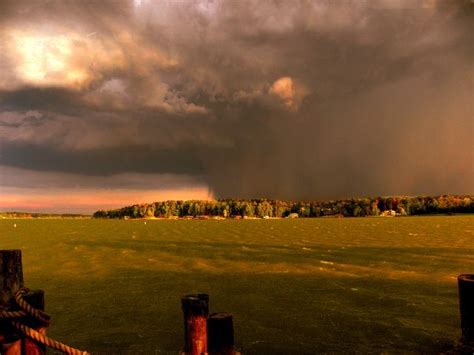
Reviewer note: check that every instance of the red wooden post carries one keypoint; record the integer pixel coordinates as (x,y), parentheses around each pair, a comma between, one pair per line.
(220,333)
(13,348)
(196,311)
(466,307)
(11,280)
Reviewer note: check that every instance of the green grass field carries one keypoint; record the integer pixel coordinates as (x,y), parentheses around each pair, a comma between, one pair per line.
(294,286)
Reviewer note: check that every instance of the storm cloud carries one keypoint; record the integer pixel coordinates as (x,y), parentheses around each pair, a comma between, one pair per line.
(277,99)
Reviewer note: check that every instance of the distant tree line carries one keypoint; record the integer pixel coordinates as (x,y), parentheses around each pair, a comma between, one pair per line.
(262,208)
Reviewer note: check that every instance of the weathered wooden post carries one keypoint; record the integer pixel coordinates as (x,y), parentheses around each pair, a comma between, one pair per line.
(11,280)
(220,333)
(196,312)
(466,307)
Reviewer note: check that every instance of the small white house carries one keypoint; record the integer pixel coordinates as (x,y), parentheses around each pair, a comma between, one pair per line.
(388,213)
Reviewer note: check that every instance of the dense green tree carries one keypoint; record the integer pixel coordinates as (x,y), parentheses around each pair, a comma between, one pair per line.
(264,208)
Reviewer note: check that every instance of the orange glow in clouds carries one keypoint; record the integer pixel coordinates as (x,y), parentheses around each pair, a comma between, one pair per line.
(288,92)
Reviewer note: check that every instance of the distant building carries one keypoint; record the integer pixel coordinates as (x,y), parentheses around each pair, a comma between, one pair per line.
(293,215)
(389,213)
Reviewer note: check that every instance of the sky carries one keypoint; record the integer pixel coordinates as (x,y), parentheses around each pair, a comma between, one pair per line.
(110,103)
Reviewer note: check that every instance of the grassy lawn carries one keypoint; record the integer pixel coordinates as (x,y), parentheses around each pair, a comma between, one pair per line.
(294,286)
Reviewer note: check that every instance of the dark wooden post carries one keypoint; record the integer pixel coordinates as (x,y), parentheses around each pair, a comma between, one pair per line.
(196,311)
(11,280)
(29,346)
(466,306)
(220,333)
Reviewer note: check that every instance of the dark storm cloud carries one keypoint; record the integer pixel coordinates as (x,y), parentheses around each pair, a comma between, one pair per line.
(46,99)
(18,178)
(105,161)
(278,99)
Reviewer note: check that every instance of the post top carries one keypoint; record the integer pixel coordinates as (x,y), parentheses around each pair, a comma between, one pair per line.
(198,296)
(220,315)
(466,278)
(197,304)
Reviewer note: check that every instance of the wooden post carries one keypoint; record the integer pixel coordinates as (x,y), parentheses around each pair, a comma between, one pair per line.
(220,332)
(466,306)
(11,280)
(196,311)
(29,346)
(11,277)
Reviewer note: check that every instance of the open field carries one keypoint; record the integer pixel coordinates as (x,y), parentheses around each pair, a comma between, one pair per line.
(294,286)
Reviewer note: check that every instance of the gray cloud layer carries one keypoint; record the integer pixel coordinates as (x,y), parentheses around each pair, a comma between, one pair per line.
(309,99)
